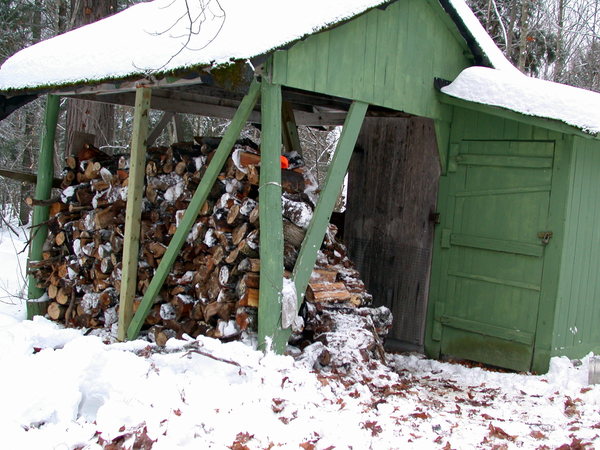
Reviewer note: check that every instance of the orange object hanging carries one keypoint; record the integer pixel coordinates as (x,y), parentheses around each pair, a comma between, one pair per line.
(284,162)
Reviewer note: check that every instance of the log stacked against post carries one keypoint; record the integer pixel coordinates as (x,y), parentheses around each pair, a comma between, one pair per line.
(212,288)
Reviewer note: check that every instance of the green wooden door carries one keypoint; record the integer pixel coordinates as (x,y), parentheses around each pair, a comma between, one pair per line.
(492,256)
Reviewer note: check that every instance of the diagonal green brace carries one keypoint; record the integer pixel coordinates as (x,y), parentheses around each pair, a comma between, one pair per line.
(327,199)
(214,168)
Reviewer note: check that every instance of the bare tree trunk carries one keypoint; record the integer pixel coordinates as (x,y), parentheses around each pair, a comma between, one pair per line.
(560,50)
(523,35)
(83,116)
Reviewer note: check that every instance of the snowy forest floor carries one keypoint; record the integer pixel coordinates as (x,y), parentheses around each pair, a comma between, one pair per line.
(61,389)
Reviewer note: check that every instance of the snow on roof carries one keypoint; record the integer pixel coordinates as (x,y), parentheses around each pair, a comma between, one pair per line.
(153,37)
(530,96)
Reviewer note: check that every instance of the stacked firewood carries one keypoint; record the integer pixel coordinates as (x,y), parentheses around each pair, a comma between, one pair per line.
(213,287)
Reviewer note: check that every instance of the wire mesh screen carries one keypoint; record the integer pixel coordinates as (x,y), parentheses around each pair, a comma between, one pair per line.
(397,276)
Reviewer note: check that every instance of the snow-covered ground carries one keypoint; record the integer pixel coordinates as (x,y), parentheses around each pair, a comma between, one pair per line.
(63,390)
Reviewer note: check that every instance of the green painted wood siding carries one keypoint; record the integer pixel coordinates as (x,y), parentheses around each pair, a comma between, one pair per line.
(384,57)
(577,319)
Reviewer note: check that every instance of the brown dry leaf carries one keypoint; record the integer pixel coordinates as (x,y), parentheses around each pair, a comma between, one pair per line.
(307,446)
(571,407)
(536,434)
(575,444)
(324,381)
(372,425)
(277,405)
(420,415)
(585,389)
(241,439)
(499,433)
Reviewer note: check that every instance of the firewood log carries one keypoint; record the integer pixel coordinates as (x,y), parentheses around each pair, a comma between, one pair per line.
(56,311)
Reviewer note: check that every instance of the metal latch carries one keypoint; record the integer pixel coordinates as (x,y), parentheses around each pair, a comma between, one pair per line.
(545,236)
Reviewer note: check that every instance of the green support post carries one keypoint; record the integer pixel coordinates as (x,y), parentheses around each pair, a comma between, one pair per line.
(271,222)
(43,190)
(185,225)
(133,212)
(327,198)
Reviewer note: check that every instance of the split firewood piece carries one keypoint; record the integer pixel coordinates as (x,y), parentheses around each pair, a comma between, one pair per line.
(63,296)
(327,292)
(253,175)
(292,181)
(249,265)
(323,276)
(247,159)
(71,162)
(222,310)
(239,233)
(52,291)
(109,216)
(293,234)
(250,298)
(92,171)
(161,335)
(246,318)
(56,311)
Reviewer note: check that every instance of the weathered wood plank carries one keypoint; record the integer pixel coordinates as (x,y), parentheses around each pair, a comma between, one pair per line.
(26,177)
(133,212)
(222,153)
(388,228)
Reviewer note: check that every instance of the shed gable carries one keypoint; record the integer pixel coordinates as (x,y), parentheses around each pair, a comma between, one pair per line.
(386,57)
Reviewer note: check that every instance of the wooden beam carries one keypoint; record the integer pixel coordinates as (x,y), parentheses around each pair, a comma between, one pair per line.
(327,199)
(179,130)
(164,120)
(191,104)
(291,140)
(191,213)
(26,177)
(133,212)
(271,223)
(43,188)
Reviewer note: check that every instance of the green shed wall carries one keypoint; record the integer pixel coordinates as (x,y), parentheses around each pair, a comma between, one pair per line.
(384,57)
(577,319)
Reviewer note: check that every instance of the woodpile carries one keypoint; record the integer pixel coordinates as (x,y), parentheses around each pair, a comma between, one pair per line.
(213,287)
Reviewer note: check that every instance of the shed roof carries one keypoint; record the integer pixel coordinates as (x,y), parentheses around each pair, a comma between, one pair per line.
(576,107)
(160,37)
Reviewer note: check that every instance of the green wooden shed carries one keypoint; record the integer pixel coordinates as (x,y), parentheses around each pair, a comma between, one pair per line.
(472,193)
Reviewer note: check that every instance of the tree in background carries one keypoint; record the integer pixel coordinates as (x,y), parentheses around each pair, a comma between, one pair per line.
(518,28)
(551,39)
(89,122)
